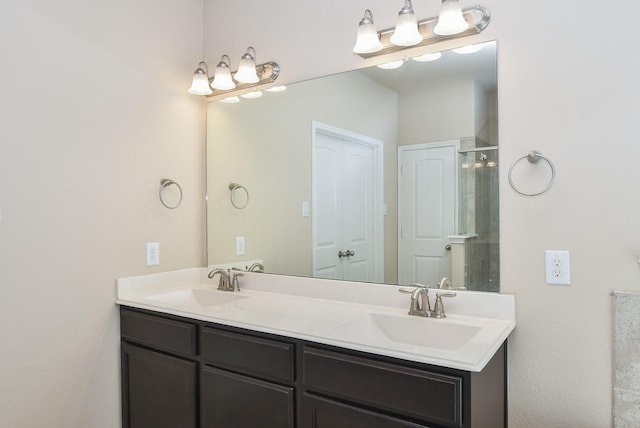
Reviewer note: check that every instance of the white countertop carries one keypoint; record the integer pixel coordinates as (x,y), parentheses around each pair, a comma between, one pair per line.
(365,317)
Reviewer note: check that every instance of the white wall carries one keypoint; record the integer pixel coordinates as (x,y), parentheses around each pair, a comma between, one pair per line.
(439,111)
(93,113)
(567,87)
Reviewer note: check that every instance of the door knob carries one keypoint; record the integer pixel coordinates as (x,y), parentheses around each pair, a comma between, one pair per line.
(447,247)
(350,253)
(341,254)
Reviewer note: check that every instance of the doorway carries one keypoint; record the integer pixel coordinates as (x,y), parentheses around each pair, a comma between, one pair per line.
(427,211)
(347,205)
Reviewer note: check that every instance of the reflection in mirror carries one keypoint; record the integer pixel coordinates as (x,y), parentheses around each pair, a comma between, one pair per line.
(371,175)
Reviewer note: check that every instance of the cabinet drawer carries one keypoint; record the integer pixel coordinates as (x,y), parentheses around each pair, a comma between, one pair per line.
(264,358)
(389,387)
(322,413)
(169,335)
(233,400)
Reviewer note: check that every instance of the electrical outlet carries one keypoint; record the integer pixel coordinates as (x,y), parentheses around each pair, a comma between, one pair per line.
(557,267)
(153,253)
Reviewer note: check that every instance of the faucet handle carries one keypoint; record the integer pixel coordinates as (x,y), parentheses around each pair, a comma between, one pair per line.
(438,309)
(235,283)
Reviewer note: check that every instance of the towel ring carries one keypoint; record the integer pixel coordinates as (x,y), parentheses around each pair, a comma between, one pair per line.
(233,187)
(533,156)
(164,183)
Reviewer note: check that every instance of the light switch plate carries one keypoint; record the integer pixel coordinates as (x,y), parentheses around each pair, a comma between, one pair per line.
(239,245)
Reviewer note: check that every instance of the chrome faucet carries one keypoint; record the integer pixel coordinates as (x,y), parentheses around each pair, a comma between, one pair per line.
(256,267)
(420,304)
(223,282)
(445,283)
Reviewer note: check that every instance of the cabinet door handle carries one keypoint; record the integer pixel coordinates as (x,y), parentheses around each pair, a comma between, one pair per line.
(341,254)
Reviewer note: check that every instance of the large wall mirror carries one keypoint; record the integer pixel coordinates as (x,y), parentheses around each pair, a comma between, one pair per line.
(376,175)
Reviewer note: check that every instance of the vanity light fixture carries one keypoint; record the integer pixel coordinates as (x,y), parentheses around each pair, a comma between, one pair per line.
(247,69)
(200,82)
(222,85)
(427,31)
(367,40)
(406,32)
(222,79)
(450,20)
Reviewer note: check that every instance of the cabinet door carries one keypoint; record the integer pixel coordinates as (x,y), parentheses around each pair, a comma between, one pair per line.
(158,391)
(322,413)
(234,401)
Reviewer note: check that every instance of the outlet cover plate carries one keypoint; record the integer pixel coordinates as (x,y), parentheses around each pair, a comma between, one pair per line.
(153,253)
(557,268)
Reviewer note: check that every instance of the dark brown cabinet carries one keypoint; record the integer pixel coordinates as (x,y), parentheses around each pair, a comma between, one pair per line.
(159,372)
(234,400)
(179,372)
(323,413)
(414,393)
(247,381)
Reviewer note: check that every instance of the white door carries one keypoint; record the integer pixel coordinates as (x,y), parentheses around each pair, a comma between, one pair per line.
(427,194)
(346,207)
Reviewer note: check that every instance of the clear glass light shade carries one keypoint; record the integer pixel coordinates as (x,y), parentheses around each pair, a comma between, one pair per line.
(222,79)
(406,32)
(367,40)
(200,83)
(247,69)
(450,20)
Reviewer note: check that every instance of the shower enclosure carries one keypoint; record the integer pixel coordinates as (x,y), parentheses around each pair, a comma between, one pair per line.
(479,217)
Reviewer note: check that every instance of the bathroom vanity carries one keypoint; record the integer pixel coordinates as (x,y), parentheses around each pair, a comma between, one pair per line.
(301,356)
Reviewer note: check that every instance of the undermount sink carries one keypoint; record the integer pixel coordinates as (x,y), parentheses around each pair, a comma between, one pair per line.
(197,297)
(411,330)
